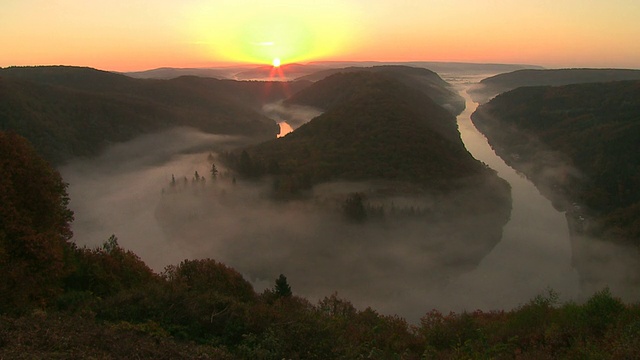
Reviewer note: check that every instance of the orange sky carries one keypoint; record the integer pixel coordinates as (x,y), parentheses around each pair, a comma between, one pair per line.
(127,35)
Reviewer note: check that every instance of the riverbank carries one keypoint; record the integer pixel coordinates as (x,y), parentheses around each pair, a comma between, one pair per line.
(548,138)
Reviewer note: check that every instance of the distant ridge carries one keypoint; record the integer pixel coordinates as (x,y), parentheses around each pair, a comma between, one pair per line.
(78,77)
(497,84)
(284,72)
(296,70)
(438,66)
(170,73)
(75,111)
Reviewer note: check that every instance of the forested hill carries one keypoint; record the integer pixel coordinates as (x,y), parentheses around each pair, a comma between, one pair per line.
(420,79)
(594,128)
(497,84)
(71,111)
(179,89)
(374,127)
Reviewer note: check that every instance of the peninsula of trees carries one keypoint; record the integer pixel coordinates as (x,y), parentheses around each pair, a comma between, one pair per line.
(373,127)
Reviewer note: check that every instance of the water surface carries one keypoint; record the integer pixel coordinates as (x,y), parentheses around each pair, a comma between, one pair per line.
(535,251)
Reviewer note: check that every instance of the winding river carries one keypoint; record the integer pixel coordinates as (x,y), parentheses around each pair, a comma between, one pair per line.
(534,254)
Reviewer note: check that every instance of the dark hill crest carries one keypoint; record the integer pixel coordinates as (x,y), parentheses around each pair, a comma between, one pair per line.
(500,83)
(420,79)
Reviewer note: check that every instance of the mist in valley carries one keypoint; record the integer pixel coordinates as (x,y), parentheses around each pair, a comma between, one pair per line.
(405,265)
(388,265)
(117,192)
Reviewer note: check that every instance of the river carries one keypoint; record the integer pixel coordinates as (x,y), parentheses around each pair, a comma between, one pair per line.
(534,254)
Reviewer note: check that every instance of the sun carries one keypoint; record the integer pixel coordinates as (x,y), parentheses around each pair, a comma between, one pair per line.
(276,62)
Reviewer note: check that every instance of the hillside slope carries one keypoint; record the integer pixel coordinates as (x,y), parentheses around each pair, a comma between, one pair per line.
(497,84)
(69,111)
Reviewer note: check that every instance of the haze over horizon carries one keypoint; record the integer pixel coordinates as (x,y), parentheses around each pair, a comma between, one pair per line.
(137,35)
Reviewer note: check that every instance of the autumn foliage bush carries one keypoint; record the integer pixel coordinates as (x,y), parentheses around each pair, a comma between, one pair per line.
(34,227)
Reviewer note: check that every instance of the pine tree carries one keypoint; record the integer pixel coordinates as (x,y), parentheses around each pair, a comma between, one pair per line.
(282,288)
(214,171)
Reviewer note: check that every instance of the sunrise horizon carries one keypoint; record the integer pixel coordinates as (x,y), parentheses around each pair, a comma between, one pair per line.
(238,64)
(134,36)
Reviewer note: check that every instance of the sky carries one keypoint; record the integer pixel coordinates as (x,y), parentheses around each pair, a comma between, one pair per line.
(128,35)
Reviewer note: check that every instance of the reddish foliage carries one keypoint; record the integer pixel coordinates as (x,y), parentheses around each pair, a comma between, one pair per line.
(34,226)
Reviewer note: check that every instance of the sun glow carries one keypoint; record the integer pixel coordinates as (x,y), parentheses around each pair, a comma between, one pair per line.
(276,62)
(260,34)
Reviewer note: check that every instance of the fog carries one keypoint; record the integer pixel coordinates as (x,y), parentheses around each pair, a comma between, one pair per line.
(390,265)
(405,266)
(117,193)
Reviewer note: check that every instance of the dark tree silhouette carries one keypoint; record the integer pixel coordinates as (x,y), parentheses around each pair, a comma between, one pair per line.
(214,171)
(282,288)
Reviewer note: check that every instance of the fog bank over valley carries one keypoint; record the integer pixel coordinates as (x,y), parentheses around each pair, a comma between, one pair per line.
(390,263)
(117,192)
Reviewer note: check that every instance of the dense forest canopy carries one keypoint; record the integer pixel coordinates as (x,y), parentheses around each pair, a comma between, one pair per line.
(421,79)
